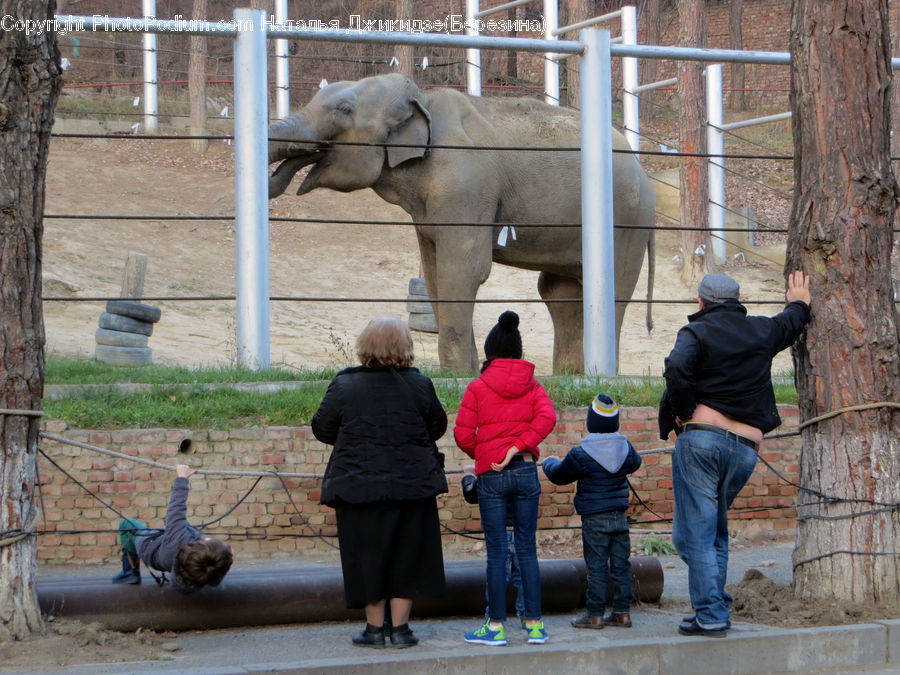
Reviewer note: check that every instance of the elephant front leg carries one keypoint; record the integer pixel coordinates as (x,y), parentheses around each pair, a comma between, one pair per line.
(459,264)
(568,321)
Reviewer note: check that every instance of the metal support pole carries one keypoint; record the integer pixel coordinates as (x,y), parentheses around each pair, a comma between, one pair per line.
(551,65)
(630,100)
(597,257)
(282,66)
(715,144)
(151,101)
(473,56)
(251,189)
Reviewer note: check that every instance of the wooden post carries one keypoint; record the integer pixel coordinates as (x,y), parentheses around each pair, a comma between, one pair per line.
(133,276)
(197,83)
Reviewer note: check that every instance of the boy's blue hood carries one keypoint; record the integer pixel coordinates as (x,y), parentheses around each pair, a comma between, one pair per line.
(608,450)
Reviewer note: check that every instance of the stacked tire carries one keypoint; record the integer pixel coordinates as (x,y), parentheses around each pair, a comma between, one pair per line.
(418,304)
(124,330)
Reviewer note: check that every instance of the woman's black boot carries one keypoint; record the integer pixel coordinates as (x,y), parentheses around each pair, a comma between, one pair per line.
(402,637)
(372,636)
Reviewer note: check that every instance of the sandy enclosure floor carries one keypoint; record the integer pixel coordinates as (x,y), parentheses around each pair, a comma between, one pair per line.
(86,257)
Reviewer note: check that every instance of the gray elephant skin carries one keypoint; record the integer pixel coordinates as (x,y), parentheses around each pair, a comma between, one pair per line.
(396,121)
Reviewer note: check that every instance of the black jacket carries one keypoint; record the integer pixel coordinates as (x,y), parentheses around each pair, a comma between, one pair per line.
(601,465)
(723,359)
(383,424)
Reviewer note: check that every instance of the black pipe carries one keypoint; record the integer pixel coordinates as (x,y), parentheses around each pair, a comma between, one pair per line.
(261,597)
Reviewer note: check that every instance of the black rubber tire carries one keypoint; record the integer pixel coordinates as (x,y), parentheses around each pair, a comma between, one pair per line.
(134,310)
(125,324)
(418,304)
(424,323)
(417,287)
(117,338)
(124,356)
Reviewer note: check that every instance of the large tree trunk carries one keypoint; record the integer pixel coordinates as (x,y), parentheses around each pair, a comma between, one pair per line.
(578,11)
(694,187)
(405,54)
(840,232)
(736,41)
(649,14)
(29,86)
(197,82)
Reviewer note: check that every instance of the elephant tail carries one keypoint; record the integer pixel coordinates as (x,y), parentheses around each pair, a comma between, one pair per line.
(651,272)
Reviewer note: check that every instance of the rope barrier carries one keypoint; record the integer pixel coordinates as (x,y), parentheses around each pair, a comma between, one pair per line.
(19,412)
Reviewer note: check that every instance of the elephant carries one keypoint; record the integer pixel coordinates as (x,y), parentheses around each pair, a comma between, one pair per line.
(382,131)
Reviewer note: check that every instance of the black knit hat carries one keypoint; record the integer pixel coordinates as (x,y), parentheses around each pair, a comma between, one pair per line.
(504,341)
(603,415)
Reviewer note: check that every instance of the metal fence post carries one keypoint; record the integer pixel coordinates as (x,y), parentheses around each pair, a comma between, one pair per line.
(630,102)
(282,66)
(251,189)
(473,55)
(715,145)
(598,259)
(151,101)
(551,65)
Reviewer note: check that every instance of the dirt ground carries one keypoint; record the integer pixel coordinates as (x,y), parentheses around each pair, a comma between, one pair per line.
(131,177)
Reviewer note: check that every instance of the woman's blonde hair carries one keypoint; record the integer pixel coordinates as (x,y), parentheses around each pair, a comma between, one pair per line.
(385,341)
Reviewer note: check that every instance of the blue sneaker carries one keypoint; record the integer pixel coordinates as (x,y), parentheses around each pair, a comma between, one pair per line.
(537,634)
(487,636)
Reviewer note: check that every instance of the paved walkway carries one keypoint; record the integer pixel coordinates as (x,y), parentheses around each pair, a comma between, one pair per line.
(652,646)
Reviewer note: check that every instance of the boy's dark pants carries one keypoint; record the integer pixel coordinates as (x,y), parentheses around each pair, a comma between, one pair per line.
(607,546)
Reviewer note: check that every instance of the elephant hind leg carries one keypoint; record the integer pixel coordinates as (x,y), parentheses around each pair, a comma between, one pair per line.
(568,320)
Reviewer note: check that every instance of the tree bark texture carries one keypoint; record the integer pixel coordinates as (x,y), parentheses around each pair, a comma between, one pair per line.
(29,86)
(649,16)
(840,233)
(578,11)
(736,41)
(405,54)
(692,136)
(197,83)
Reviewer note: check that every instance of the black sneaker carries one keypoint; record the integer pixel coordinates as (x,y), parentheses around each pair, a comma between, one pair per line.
(127,577)
(690,618)
(372,636)
(694,628)
(402,637)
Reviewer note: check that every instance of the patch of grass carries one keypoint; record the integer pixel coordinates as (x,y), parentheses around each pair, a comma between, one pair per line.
(653,545)
(177,396)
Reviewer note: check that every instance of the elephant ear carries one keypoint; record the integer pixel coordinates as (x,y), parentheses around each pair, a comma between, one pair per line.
(415,130)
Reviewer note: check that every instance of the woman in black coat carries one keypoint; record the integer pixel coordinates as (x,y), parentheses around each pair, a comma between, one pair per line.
(384,473)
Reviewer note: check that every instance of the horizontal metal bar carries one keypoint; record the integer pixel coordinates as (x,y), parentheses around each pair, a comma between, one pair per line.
(695,54)
(754,121)
(588,22)
(655,85)
(500,8)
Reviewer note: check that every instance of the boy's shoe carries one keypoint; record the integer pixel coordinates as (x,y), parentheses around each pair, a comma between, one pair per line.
(617,620)
(537,634)
(487,636)
(127,577)
(588,621)
(694,628)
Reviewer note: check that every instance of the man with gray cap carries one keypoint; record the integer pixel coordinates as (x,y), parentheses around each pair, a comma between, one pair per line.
(719,401)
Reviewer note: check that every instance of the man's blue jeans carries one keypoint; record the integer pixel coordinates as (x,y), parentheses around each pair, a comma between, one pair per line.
(518,486)
(708,471)
(607,545)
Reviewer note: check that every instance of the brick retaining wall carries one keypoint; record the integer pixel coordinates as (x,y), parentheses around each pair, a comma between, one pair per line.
(142,492)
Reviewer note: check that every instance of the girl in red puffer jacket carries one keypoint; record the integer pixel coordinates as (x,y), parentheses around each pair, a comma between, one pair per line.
(503,417)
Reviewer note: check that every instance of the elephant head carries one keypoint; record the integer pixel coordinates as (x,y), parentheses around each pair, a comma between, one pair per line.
(347,132)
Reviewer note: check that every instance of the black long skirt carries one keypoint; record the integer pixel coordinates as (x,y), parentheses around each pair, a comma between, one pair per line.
(390,550)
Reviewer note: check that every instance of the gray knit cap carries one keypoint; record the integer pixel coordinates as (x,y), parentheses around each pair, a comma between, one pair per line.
(715,288)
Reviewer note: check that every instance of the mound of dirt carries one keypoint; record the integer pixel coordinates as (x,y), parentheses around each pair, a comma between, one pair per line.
(69,643)
(758,599)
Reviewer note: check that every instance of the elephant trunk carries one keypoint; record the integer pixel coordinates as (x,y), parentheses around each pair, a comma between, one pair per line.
(290,138)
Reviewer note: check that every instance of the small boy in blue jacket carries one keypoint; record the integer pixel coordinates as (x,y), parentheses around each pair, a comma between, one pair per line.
(601,465)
